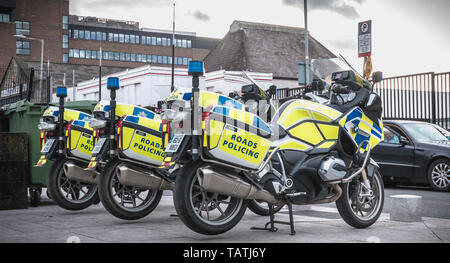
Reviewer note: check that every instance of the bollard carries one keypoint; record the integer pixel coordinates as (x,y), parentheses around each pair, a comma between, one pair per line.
(406,208)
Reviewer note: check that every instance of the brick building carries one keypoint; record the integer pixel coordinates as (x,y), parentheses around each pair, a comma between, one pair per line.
(72,43)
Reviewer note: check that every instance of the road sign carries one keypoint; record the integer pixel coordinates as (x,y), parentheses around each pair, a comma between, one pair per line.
(365,38)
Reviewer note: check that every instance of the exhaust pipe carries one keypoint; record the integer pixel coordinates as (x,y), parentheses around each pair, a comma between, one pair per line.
(76,173)
(228,184)
(131,177)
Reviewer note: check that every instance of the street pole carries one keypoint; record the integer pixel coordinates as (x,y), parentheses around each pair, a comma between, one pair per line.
(100,77)
(306,42)
(172,86)
(73,84)
(42,65)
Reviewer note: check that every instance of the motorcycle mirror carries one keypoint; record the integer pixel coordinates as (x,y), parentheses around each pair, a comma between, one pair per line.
(377,77)
(273,90)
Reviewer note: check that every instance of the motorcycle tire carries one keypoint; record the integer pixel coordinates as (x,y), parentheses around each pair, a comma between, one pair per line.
(347,212)
(182,196)
(119,210)
(53,188)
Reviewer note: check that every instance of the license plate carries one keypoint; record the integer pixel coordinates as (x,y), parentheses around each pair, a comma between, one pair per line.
(47,146)
(174,143)
(99,145)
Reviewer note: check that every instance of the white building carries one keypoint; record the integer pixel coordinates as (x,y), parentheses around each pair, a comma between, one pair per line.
(145,86)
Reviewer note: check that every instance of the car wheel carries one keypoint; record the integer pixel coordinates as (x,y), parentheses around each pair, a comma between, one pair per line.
(439,175)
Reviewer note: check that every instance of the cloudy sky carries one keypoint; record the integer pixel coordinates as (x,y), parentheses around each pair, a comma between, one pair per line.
(409,36)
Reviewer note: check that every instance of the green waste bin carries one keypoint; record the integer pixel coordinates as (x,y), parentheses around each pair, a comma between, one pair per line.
(24,117)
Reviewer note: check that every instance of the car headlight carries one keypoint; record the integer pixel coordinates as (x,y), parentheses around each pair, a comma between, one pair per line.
(96,123)
(46,126)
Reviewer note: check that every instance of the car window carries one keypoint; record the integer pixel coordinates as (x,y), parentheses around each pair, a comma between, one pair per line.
(424,132)
(397,130)
(391,136)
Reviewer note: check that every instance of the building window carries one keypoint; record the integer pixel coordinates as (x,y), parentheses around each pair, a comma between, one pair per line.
(22,28)
(88,54)
(164,59)
(76,53)
(149,40)
(104,36)
(94,54)
(137,39)
(82,54)
(189,44)
(65,22)
(185,61)
(65,58)
(22,48)
(75,33)
(116,37)
(87,35)
(168,42)
(5,18)
(158,41)
(110,37)
(144,58)
(71,53)
(184,43)
(133,57)
(81,34)
(164,41)
(116,56)
(122,56)
(93,35)
(65,41)
(169,60)
(143,40)
(121,38)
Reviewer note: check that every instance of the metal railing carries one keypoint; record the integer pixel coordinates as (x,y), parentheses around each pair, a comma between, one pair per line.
(422,97)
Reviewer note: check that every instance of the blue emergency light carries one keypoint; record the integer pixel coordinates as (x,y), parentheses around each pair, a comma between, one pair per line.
(112,83)
(61,91)
(195,68)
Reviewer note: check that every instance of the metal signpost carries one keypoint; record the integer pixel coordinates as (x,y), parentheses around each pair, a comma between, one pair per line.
(365,45)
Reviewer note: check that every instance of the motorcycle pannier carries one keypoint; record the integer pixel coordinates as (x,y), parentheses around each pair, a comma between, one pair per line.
(140,139)
(79,139)
(236,137)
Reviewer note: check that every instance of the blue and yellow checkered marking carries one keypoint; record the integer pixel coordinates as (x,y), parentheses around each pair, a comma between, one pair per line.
(250,120)
(365,129)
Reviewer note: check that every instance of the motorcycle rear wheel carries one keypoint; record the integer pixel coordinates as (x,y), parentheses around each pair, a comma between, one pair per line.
(69,194)
(125,202)
(204,212)
(357,211)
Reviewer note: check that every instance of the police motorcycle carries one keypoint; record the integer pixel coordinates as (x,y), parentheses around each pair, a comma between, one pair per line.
(128,153)
(66,139)
(313,154)
(251,98)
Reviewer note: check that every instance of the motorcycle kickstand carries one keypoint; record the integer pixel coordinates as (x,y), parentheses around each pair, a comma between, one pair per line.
(272,221)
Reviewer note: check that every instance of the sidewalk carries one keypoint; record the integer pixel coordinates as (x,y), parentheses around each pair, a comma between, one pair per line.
(49,223)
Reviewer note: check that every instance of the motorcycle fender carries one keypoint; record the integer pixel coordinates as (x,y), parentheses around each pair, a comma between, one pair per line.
(372,167)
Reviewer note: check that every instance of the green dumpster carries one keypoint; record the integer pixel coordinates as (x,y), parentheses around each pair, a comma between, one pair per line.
(24,117)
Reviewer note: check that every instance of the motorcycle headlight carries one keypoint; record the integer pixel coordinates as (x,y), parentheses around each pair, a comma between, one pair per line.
(96,123)
(46,126)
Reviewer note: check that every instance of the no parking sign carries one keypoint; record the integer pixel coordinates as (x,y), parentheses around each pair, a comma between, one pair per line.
(365,39)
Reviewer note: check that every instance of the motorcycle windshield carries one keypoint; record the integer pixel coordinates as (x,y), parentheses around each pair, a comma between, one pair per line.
(324,68)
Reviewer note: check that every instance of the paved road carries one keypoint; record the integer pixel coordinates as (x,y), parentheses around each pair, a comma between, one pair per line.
(321,223)
(434,204)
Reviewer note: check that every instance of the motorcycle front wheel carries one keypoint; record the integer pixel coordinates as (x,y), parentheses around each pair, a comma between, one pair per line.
(69,194)
(359,208)
(122,201)
(204,212)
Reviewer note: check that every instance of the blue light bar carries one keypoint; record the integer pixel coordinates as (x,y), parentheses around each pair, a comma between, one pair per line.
(112,82)
(195,68)
(61,91)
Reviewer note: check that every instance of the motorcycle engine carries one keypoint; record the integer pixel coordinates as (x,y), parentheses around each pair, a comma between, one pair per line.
(332,169)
